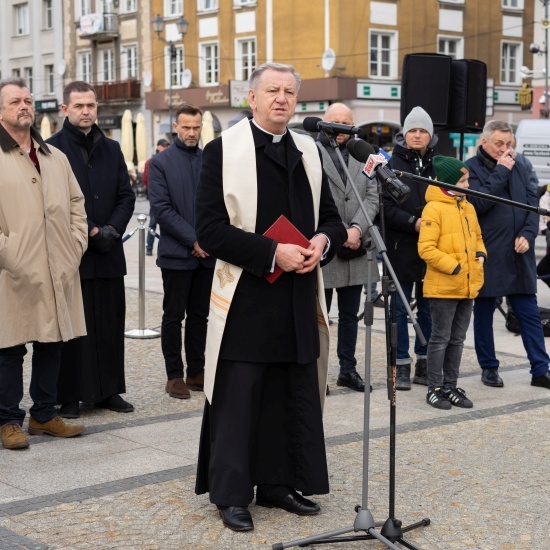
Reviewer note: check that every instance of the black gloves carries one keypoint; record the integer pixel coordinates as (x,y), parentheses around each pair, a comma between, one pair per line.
(104,240)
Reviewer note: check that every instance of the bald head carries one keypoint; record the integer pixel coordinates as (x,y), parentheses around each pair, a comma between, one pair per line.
(341,114)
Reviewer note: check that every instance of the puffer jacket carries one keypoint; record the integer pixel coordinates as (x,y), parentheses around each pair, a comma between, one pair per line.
(450,242)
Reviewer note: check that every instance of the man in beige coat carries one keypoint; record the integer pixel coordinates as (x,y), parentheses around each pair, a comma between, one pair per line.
(43,234)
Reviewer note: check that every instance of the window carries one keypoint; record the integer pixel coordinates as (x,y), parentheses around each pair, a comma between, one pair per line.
(173,7)
(128,6)
(383,55)
(84,66)
(209,64)
(451,46)
(512,4)
(83,7)
(510,62)
(16,73)
(128,62)
(244,2)
(49,77)
(47,10)
(28,78)
(205,5)
(246,58)
(21,19)
(174,67)
(106,65)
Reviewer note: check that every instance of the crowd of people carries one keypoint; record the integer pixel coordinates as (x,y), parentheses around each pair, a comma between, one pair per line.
(255,338)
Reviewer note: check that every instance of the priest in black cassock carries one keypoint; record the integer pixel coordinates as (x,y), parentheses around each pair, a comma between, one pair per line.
(267,342)
(92,367)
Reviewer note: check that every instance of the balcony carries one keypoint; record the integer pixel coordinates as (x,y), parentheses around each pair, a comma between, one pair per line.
(123,91)
(99,25)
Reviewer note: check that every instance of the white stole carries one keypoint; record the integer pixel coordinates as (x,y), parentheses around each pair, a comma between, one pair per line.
(240,190)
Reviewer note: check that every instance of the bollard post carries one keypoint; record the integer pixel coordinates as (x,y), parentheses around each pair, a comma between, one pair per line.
(141,331)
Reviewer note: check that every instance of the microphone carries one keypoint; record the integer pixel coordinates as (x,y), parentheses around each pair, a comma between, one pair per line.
(376,165)
(315,124)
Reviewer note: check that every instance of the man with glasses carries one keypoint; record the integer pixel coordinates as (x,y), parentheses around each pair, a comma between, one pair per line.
(92,368)
(187,270)
(509,235)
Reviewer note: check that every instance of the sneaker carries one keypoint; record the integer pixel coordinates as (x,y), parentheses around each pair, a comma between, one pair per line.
(457,397)
(436,398)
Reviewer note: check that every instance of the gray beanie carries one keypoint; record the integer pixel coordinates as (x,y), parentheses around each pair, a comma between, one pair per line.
(418,118)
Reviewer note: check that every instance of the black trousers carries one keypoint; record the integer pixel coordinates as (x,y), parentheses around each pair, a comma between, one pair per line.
(186,296)
(264,426)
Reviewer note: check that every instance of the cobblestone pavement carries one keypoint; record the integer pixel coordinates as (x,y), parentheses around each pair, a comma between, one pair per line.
(480,475)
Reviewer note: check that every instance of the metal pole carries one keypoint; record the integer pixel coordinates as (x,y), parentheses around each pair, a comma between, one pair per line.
(545,60)
(141,331)
(172,56)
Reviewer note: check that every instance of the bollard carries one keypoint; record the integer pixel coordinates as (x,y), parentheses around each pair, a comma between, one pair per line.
(141,331)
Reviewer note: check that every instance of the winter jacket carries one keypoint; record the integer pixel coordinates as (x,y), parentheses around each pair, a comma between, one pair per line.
(43,234)
(102,174)
(400,235)
(173,180)
(506,272)
(450,243)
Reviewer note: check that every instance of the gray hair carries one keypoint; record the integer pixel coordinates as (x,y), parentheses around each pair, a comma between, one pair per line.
(496,126)
(13,81)
(258,72)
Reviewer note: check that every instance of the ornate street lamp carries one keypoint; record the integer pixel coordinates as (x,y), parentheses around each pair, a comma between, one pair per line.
(182,26)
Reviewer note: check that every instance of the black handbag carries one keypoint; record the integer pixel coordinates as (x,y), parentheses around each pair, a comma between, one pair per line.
(350,254)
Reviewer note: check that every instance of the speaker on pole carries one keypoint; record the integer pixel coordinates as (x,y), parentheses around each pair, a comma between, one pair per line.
(468,96)
(426,83)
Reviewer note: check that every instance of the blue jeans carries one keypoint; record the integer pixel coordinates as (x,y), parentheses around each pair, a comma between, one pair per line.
(450,322)
(349,300)
(527,312)
(424,320)
(43,387)
(153,226)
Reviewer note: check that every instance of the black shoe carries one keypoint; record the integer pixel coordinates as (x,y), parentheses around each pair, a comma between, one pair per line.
(436,398)
(149,252)
(491,378)
(457,397)
(421,372)
(351,380)
(293,503)
(403,377)
(237,518)
(379,301)
(541,381)
(115,403)
(70,410)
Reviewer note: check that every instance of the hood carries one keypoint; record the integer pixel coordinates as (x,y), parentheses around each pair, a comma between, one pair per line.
(400,140)
(434,193)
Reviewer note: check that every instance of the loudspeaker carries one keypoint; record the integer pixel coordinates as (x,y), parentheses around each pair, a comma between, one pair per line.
(426,82)
(468,96)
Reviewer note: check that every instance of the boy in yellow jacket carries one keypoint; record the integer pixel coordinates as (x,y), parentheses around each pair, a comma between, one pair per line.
(451,245)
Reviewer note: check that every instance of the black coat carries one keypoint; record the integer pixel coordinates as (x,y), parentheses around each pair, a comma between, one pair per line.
(173,181)
(267,322)
(101,171)
(506,272)
(401,238)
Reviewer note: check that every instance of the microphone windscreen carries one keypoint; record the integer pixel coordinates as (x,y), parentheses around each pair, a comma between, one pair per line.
(310,123)
(359,149)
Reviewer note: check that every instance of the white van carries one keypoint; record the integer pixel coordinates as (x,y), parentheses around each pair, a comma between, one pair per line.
(533,140)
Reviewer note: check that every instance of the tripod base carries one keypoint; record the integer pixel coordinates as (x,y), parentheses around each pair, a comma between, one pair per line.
(141,333)
(391,532)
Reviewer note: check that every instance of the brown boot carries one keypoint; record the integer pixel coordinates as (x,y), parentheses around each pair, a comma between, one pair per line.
(55,427)
(13,437)
(196,383)
(177,388)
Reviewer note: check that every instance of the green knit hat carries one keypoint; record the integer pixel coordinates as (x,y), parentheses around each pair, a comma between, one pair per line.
(449,169)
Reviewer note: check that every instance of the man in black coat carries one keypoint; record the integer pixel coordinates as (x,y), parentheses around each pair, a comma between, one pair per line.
(509,235)
(413,152)
(92,368)
(187,269)
(262,423)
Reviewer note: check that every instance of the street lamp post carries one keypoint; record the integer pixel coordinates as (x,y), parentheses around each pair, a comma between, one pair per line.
(182,26)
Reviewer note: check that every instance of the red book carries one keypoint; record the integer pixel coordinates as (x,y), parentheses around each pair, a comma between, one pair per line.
(285,232)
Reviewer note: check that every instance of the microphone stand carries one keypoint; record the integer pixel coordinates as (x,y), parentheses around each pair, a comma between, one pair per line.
(392,530)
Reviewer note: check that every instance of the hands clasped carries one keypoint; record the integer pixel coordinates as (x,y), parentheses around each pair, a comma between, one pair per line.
(104,239)
(291,257)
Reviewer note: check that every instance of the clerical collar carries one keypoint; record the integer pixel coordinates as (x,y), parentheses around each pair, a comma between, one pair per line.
(276,137)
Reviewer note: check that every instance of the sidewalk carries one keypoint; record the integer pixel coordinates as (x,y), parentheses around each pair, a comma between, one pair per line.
(480,475)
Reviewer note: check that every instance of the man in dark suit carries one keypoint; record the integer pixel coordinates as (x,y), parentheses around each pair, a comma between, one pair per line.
(92,368)
(262,423)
